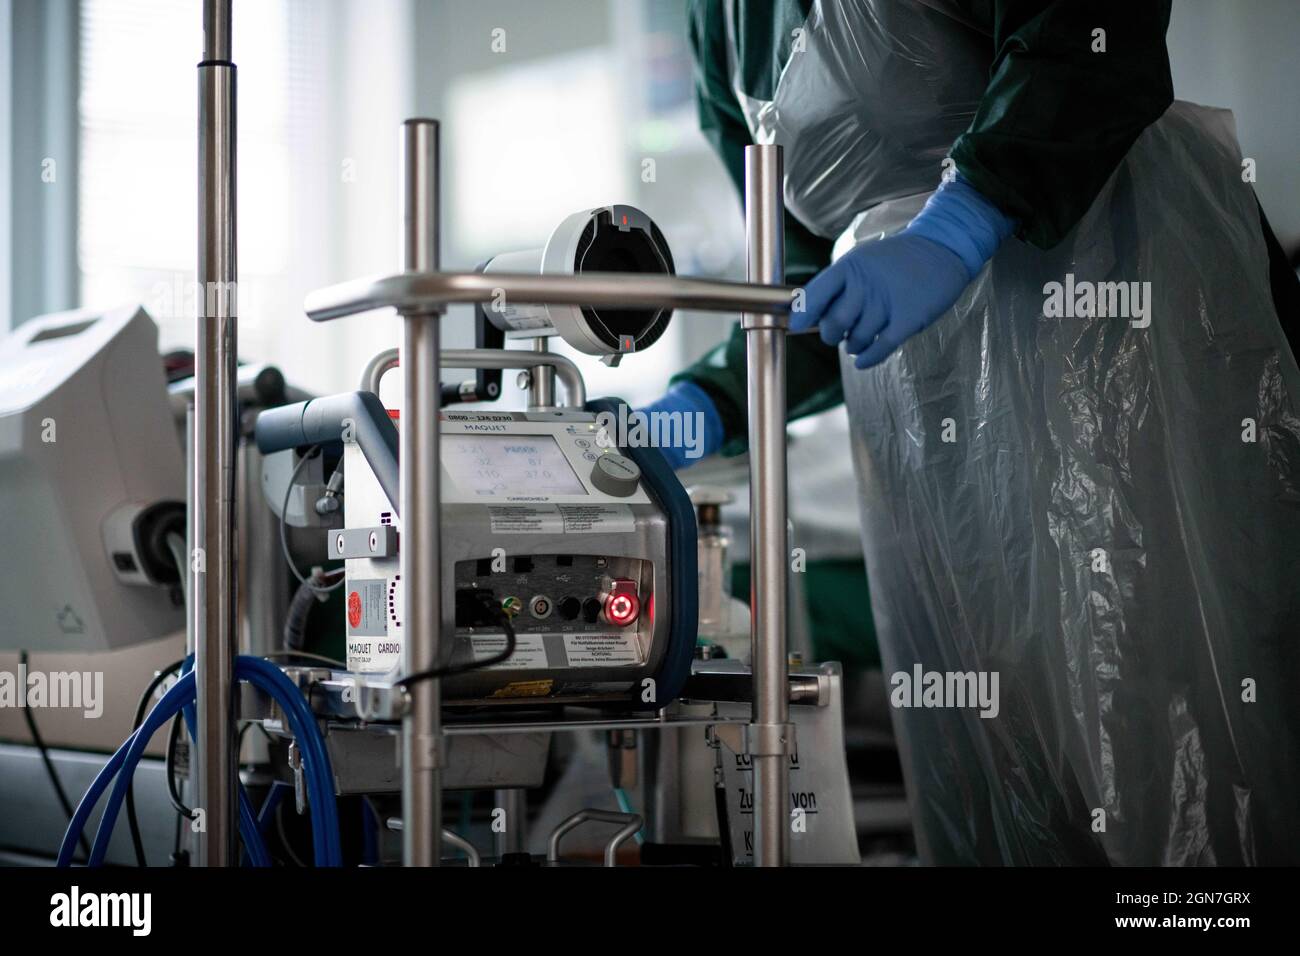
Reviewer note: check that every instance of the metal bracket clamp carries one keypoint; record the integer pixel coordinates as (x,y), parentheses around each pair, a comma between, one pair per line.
(756,740)
(756,320)
(377,542)
(769,740)
(373,704)
(772,320)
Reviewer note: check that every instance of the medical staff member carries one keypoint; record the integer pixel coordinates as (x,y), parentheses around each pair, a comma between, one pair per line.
(959,158)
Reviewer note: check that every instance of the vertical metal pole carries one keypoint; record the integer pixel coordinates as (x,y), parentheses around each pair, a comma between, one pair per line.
(191,536)
(189,839)
(515,837)
(541,380)
(765,336)
(213,581)
(263,575)
(420,503)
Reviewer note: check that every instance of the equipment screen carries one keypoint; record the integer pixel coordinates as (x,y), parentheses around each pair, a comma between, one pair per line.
(491,466)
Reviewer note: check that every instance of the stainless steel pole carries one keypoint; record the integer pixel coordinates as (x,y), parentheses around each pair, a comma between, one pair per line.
(770,731)
(263,574)
(541,380)
(514,839)
(419,477)
(213,582)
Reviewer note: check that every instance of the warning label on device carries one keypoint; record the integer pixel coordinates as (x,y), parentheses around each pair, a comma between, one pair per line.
(562,519)
(606,519)
(368,610)
(526,519)
(368,607)
(529,651)
(601,650)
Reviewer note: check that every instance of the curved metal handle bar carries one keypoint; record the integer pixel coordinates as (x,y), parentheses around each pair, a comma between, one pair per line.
(377,367)
(452,838)
(575,389)
(631,821)
(449,837)
(413,293)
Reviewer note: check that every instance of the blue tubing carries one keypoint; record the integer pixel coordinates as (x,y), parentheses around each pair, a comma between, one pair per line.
(79,818)
(168,707)
(172,702)
(320,778)
(262,674)
(274,797)
(254,845)
(316,763)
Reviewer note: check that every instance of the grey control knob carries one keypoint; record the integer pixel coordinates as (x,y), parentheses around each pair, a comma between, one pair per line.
(615,475)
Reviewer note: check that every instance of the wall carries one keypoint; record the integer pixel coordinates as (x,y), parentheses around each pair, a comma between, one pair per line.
(1246,57)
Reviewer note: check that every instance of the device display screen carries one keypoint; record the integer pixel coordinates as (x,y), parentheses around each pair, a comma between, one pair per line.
(491,466)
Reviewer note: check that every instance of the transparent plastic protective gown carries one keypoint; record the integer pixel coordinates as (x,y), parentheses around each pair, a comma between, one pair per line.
(1103,511)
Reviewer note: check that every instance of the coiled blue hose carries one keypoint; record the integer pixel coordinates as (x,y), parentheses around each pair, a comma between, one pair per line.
(166,709)
(182,690)
(315,758)
(265,676)
(316,764)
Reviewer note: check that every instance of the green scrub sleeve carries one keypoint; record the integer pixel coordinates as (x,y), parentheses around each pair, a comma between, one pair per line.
(1071,87)
(813,371)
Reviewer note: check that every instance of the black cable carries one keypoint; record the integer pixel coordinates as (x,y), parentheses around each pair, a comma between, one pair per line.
(452,670)
(173,791)
(183,812)
(284,534)
(173,786)
(39,741)
(140,709)
(304,656)
(284,837)
(179,858)
(309,593)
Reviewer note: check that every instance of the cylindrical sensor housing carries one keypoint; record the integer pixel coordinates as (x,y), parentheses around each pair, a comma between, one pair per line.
(608,239)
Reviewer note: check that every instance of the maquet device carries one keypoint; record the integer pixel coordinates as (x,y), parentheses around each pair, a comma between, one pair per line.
(589,548)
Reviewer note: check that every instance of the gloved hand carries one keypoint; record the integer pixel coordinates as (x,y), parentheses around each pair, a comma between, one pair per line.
(699,427)
(882,293)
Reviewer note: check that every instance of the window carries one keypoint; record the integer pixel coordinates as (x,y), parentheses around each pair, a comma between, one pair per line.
(138,171)
(536,141)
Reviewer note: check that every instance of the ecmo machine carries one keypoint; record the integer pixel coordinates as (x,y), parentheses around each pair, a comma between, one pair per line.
(589,549)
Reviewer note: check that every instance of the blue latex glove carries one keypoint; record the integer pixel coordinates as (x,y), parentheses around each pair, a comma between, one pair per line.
(882,293)
(701,435)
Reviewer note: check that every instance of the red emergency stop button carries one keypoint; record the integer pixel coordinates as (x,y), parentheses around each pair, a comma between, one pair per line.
(622,609)
(622,606)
